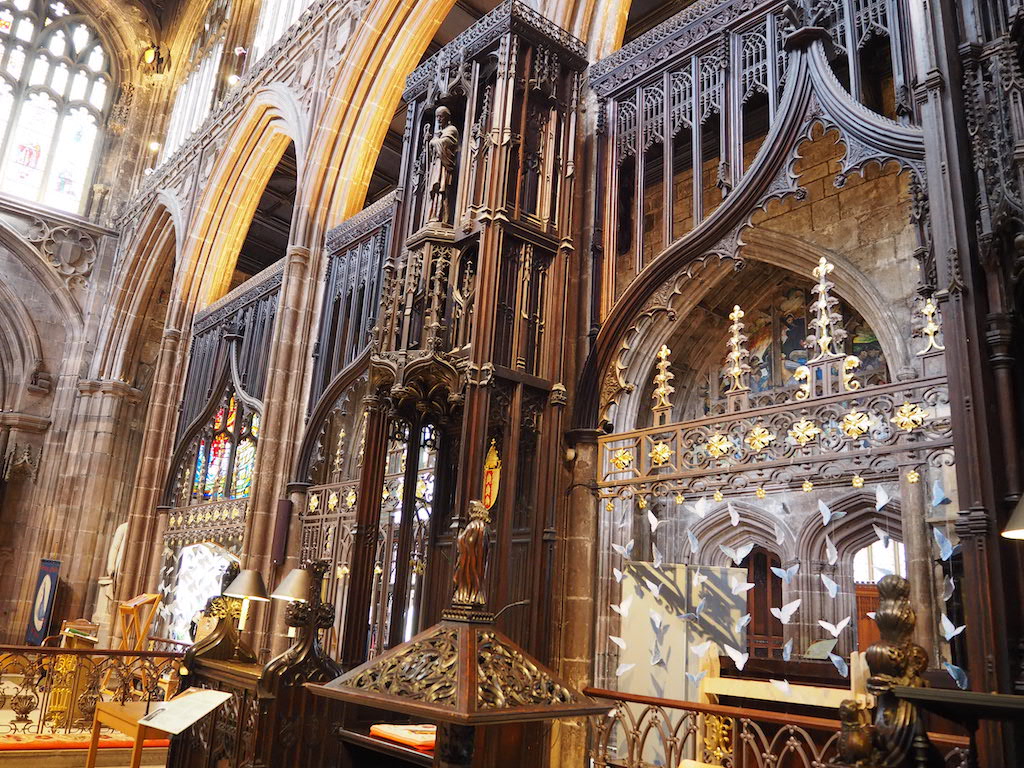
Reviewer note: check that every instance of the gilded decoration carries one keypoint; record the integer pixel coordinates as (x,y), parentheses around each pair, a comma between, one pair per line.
(662,388)
(828,332)
(660,454)
(850,364)
(738,355)
(427,672)
(507,678)
(718,738)
(803,376)
(719,445)
(932,327)
(759,438)
(856,424)
(622,459)
(804,431)
(909,417)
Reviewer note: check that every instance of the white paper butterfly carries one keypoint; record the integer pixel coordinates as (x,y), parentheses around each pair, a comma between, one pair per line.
(834,629)
(653,521)
(949,629)
(734,516)
(831,586)
(623,669)
(739,586)
(742,621)
(623,608)
(625,551)
(831,553)
(740,659)
(785,613)
(618,641)
(737,555)
(786,574)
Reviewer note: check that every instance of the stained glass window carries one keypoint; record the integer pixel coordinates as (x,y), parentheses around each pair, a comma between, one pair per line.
(222,460)
(55,89)
(245,462)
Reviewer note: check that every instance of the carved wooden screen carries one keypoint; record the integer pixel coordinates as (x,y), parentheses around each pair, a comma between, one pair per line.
(355,252)
(693,108)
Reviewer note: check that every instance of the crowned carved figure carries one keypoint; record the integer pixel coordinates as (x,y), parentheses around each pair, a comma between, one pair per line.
(471,565)
(443,151)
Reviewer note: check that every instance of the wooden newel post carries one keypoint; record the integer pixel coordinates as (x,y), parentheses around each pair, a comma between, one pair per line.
(456,673)
(895,737)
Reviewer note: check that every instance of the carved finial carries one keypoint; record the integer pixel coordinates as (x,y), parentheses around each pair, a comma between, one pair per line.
(827,322)
(662,388)
(739,368)
(471,566)
(932,327)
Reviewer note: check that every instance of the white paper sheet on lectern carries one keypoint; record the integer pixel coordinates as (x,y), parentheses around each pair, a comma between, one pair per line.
(182,711)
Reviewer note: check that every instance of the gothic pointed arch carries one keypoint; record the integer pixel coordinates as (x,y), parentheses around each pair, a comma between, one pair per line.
(812,97)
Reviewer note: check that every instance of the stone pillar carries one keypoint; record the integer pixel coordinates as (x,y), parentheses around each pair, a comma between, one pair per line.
(917,541)
(577,564)
(284,401)
(157,443)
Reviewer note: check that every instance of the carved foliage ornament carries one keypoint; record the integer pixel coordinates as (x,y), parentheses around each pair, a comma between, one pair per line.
(508,678)
(71,251)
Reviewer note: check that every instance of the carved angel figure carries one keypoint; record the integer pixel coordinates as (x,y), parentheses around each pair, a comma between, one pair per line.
(443,152)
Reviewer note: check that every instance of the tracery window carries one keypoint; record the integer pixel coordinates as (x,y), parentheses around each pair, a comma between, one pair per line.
(275,17)
(197,94)
(56,83)
(220,463)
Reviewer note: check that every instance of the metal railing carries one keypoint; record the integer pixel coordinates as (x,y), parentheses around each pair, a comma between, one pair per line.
(55,690)
(644,731)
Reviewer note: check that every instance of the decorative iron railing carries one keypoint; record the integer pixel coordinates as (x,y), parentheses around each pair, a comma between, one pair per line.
(55,690)
(643,732)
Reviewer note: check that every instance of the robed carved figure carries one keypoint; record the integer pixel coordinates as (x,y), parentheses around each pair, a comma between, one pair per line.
(470,567)
(443,152)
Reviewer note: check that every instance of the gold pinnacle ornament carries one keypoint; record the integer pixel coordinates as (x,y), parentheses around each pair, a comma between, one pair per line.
(737,357)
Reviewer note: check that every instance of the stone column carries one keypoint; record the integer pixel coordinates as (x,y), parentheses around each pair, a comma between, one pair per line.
(157,443)
(284,409)
(918,543)
(577,564)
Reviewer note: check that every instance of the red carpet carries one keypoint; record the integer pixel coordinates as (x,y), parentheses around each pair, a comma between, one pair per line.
(15,741)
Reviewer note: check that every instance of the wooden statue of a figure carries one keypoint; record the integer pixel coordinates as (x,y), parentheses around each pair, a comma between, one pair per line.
(443,153)
(471,566)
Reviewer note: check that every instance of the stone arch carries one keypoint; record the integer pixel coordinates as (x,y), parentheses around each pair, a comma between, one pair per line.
(636,357)
(20,349)
(224,211)
(154,250)
(359,103)
(756,526)
(851,532)
(26,254)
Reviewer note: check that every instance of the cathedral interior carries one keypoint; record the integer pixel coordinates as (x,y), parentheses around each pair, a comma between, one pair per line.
(612,383)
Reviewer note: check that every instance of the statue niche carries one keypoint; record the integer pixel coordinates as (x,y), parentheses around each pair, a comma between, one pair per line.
(442,156)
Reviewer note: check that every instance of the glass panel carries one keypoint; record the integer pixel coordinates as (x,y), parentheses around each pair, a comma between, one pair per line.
(216,474)
(98,95)
(80,37)
(26,29)
(16,62)
(72,160)
(40,69)
(6,106)
(6,22)
(22,5)
(245,462)
(232,414)
(79,86)
(59,81)
(58,44)
(197,483)
(57,10)
(26,158)
(96,59)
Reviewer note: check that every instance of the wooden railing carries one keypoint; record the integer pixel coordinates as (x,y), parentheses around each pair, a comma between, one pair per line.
(645,731)
(55,690)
